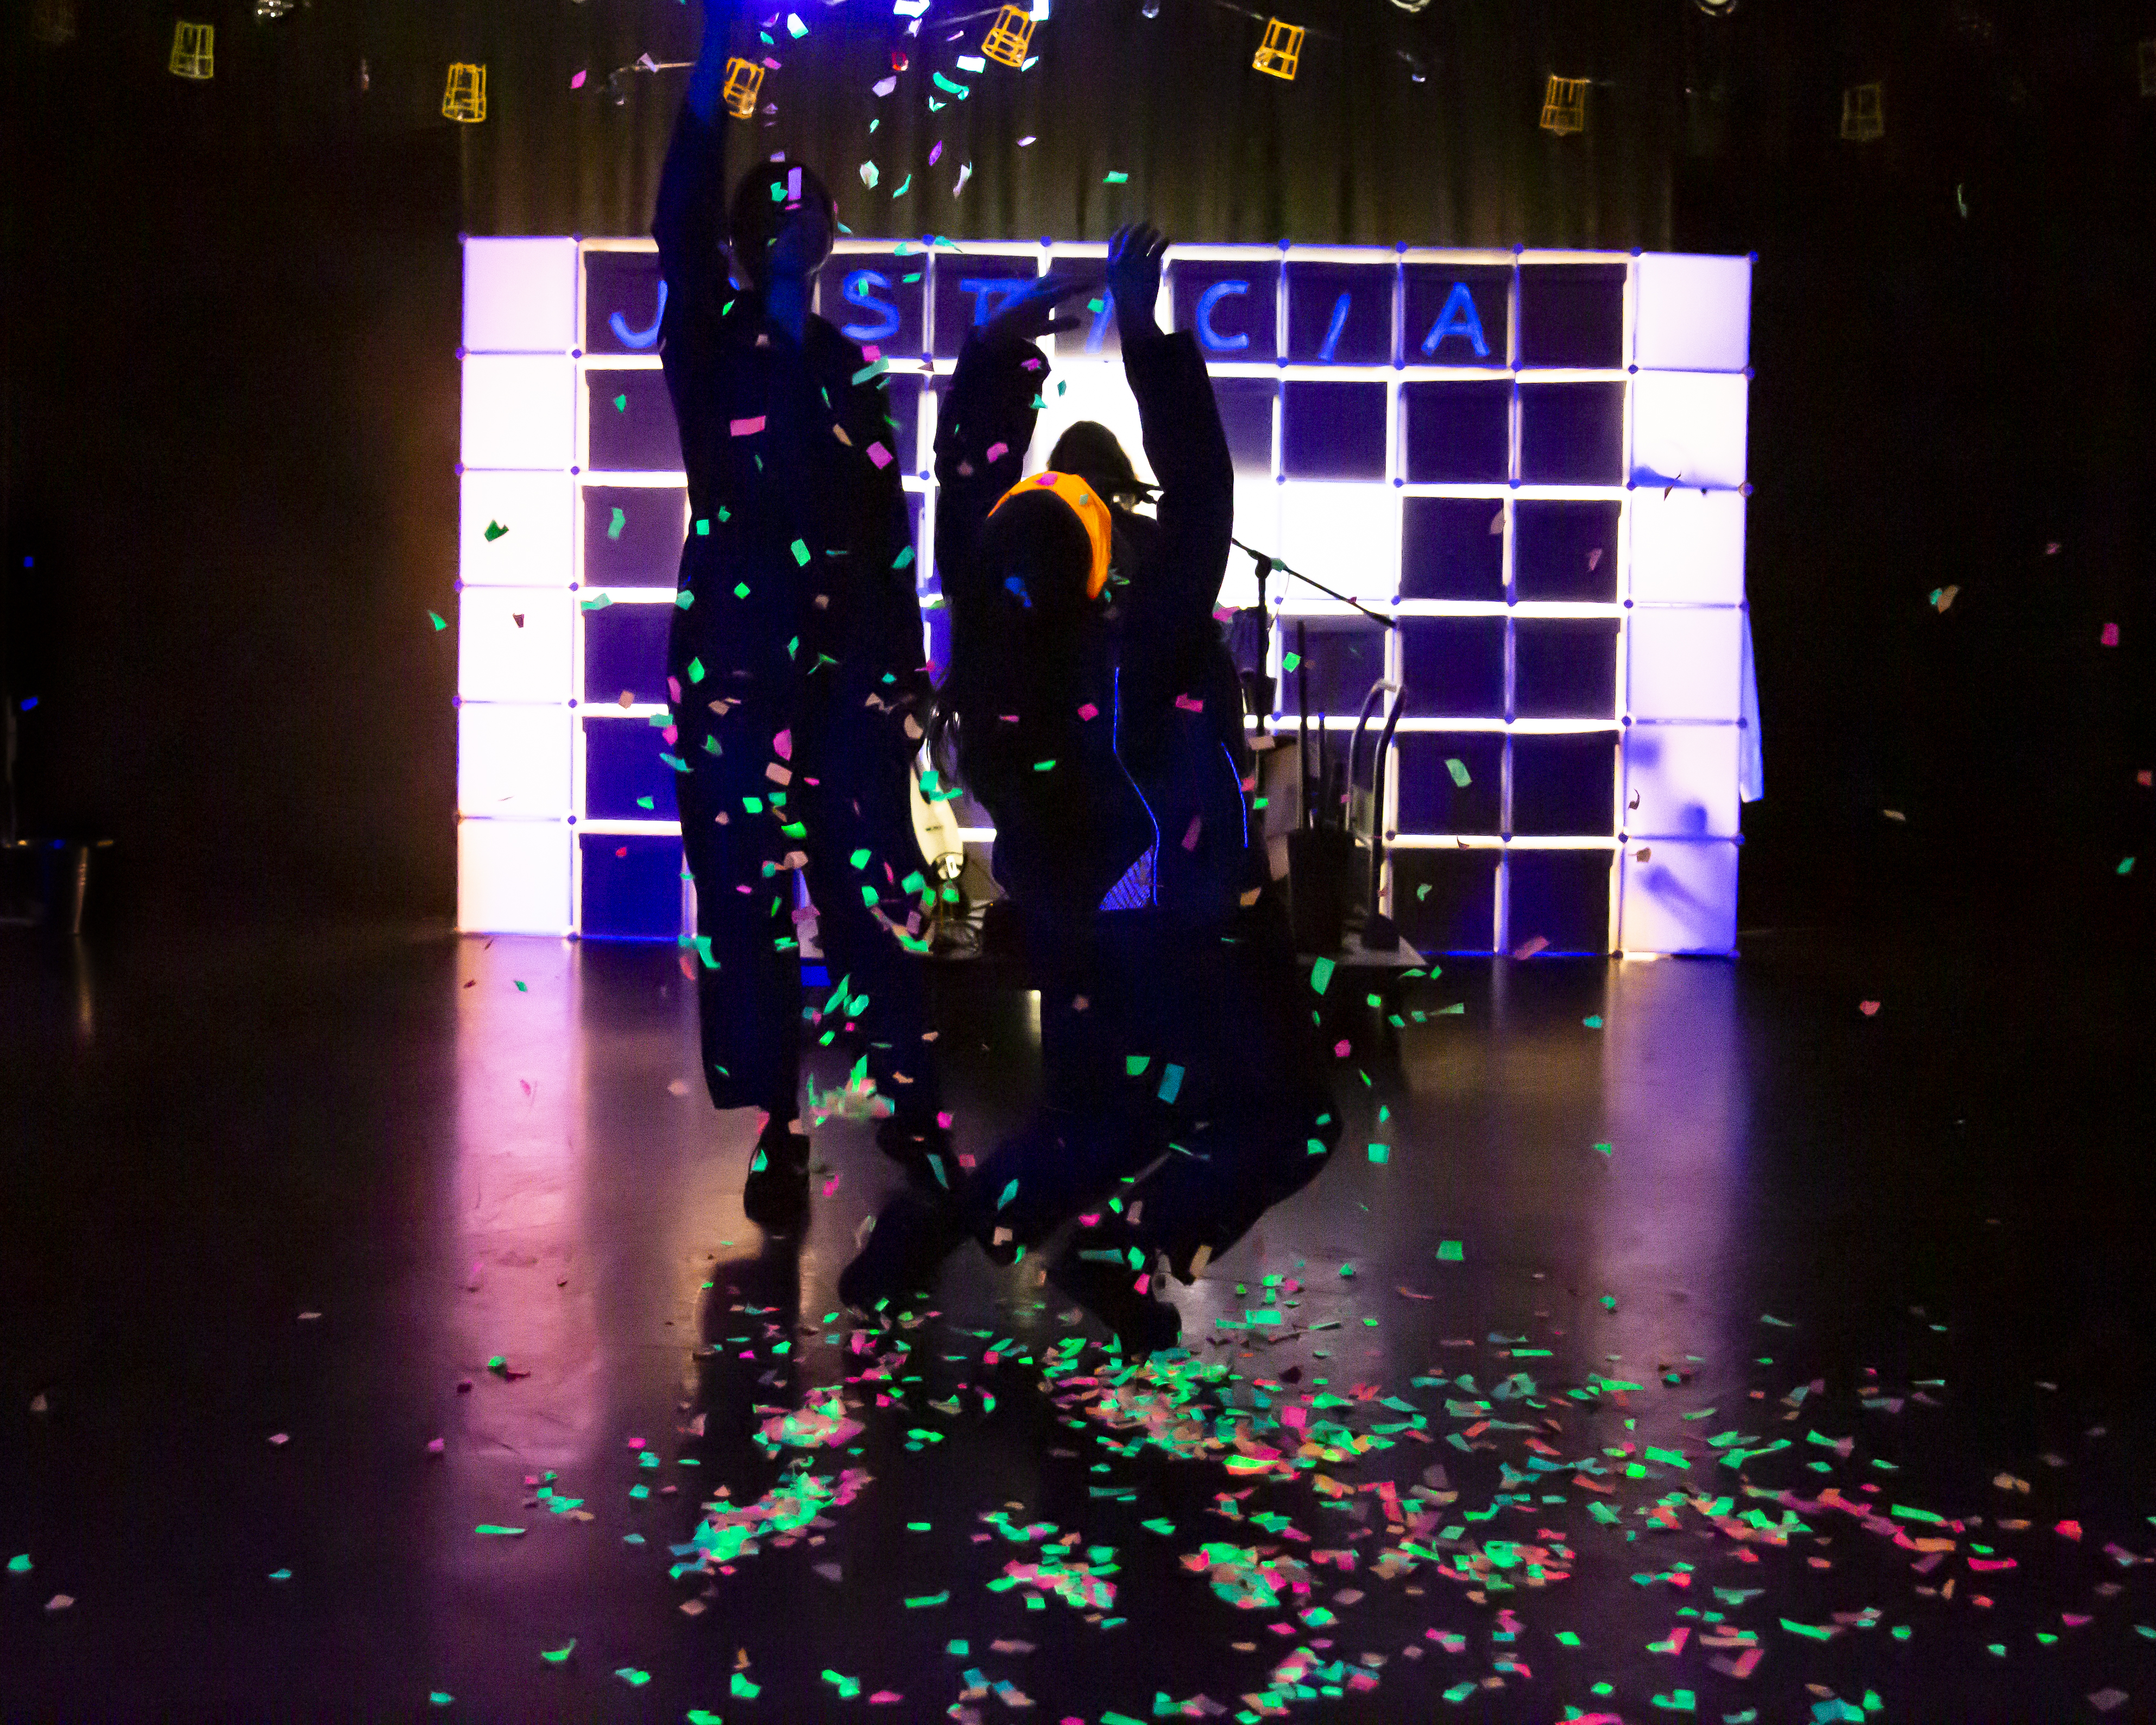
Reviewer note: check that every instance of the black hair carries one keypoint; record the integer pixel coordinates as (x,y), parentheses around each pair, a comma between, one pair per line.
(760,207)
(1022,630)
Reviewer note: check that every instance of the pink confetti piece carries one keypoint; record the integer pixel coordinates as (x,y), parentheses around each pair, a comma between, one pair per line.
(435,1446)
(879,455)
(995,452)
(577,82)
(745,428)
(944,1119)
(1089,711)
(783,745)
(935,154)
(281,1438)
(1342,1047)
(1870,1008)
(1190,838)
(2110,634)
(1190,703)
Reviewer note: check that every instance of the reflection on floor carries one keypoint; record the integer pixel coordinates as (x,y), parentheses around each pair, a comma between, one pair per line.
(379,1328)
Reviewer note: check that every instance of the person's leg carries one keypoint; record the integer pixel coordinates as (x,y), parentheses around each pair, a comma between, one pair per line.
(862,856)
(748,974)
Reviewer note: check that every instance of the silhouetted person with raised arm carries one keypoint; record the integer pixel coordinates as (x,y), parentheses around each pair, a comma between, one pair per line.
(796,663)
(1098,722)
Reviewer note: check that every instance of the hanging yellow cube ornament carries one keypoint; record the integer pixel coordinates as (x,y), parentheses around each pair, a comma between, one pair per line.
(1863,113)
(192,49)
(1009,36)
(1564,106)
(1282,50)
(465,99)
(744,81)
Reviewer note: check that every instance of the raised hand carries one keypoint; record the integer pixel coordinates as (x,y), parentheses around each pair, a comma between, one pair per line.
(1029,316)
(1133,276)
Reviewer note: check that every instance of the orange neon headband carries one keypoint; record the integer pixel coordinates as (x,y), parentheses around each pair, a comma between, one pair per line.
(1091,512)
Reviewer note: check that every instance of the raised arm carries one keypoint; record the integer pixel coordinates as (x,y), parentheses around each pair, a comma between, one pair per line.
(689,221)
(988,419)
(1186,446)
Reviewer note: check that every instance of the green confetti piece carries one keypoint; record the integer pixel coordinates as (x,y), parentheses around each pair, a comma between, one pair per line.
(1115,178)
(280,1574)
(19,1564)
(847,1687)
(646,803)
(754,805)
(904,558)
(494,1530)
(1458,769)
(1566,1638)
(861,858)
(1008,1193)
(440,1697)
(1048,766)
(600,603)
(919,1527)
(557,1656)
(949,88)
(1135,1063)
(1678,1700)
(2127,866)
(494,530)
(620,520)
(1320,975)
(927,1599)
(629,1675)
(695,670)
(800,549)
(1605,1149)
(1171,1083)
(439,621)
(703,526)
(1451,1251)
(744,1689)
(684,599)
(1813,1631)
(1593,1021)
(1160,1525)
(741,589)
(703,1715)
(1381,1153)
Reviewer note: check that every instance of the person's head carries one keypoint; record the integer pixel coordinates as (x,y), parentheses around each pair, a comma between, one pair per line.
(1091,450)
(782,219)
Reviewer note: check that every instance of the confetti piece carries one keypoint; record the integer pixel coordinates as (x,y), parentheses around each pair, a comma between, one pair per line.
(1458,769)
(495,530)
(577,82)
(280,1574)
(745,428)
(1870,1008)
(1451,1251)
(879,455)
(800,549)
(1115,178)
(635,1678)
(1593,1021)
(2110,636)
(19,1565)
(1380,1153)
(494,1530)
(439,621)
(559,1655)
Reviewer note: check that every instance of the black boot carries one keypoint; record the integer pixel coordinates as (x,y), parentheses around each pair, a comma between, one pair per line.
(925,1153)
(1107,1287)
(911,1237)
(775,1196)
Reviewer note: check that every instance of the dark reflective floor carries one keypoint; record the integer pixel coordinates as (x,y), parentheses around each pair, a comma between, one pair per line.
(1793,1364)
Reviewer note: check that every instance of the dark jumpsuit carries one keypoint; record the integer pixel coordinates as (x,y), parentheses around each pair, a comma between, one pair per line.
(795,665)
(1183,1073)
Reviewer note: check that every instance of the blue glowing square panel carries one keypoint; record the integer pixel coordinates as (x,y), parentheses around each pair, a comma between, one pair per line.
(1534,463)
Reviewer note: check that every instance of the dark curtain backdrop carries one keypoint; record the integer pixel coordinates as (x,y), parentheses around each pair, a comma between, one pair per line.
(230,314)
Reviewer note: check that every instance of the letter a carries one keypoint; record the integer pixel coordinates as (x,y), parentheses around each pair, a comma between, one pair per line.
(1457,319)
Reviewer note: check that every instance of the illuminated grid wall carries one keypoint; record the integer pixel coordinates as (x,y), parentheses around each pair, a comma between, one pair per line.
(1535,460)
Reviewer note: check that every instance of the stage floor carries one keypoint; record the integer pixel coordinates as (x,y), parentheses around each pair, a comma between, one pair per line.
(1793,1365)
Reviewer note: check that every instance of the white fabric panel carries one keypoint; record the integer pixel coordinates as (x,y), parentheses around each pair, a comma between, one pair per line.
(1684,777)
(513,876)
(520,295)
(1681,899)
(499,657)
(1688,429)
(1346,536)
(520,410)
(1684,664)
(1687,547)
(1691,314)
(539,511)
(514,760)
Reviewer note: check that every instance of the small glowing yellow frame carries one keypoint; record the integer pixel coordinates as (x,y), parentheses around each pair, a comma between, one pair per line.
(1009,36)
(465,96)
(192,49)
(1281,50)
(1863,113)
(744,82)
(1564,106)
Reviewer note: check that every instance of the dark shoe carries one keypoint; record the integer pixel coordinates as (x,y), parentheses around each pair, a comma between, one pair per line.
(775,1196)
(925,1155)
(1107,1287)
(911,1237)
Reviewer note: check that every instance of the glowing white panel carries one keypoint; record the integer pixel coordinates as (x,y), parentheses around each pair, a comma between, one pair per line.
(1691,314)
(1257,522)
(513,876)
(1684,664)
(1688,546)
(539,512)
(1681,899)
(520,295)
(514,760)
(518,410)
(513,644)
(1685,779)
(1096,391)
(1346,536)
(1688,429)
